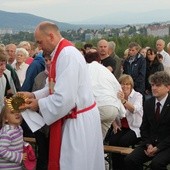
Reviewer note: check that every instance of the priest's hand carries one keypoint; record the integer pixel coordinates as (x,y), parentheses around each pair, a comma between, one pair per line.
(31,104)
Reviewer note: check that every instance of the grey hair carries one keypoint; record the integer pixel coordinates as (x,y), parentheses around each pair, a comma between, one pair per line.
(112,45)
(22,50)
(23,43)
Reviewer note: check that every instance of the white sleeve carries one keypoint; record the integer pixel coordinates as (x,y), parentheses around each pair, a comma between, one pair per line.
(57,105)
(44,92)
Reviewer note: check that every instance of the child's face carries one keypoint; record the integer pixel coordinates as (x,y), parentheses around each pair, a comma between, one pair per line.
(13,118)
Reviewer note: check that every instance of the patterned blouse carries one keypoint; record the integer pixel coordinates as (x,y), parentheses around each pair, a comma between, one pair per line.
(11,147)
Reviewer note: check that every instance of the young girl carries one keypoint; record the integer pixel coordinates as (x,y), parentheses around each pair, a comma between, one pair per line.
(11,140)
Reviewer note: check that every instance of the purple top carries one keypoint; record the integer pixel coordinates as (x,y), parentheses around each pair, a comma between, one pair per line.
(11,147)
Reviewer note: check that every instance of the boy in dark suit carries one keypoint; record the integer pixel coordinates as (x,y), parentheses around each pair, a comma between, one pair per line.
(155,128)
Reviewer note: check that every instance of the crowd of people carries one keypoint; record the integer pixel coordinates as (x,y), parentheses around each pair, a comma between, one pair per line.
(86,97)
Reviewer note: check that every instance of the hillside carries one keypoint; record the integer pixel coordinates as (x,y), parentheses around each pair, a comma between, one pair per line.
(27,22)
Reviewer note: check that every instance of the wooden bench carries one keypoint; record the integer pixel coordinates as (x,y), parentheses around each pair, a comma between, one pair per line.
(30,140)
(115,149)
(121,150)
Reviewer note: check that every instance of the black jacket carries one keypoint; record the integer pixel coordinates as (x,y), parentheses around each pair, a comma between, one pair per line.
(156,132)
(137,69)
(151,69)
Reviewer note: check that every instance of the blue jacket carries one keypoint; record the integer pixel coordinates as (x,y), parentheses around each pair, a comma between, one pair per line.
(137,69)
(33,70)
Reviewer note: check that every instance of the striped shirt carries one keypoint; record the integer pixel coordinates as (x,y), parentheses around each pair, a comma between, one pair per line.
(11,147)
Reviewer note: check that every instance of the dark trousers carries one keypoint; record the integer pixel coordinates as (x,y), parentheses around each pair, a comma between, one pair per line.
(26,130)
(43,149)
(135,160)
(125,138)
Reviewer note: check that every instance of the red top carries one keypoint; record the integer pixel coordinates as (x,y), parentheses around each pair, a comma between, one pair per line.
(124,123)
(29,60)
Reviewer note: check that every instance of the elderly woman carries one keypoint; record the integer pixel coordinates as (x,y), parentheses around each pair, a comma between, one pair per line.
(26,45)
(20,66)
(126,130)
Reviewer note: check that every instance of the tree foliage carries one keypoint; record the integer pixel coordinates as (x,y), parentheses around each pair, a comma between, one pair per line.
(121,41)
(16,38)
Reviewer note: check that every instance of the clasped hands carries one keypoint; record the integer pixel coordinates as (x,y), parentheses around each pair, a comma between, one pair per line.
(30,103)
(151,150)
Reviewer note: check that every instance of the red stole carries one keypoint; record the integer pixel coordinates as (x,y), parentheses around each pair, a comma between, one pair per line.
(56,127)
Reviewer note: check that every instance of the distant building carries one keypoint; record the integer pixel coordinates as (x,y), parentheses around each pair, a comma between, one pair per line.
(6,31)
(158,30)
(125,29)
(80,31)
(98,36)
(89,36)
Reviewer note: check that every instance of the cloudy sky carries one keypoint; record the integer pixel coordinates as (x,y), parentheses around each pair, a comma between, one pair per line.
(78,10)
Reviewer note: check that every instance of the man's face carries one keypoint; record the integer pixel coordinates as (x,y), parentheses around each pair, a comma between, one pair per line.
(159,90)
(133,51)
(11,51)
(102,48)
(44,42)
(159,46)
(2,67)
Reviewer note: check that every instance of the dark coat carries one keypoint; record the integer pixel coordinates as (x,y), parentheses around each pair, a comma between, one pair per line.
(151,69)
(118,65)
(137,70)
(156,132)
(33,70)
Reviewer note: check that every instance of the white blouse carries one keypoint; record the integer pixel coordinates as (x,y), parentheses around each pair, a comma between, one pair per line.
(21,72)
(135,119)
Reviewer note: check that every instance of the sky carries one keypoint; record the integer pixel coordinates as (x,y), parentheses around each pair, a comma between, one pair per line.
(71,11)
